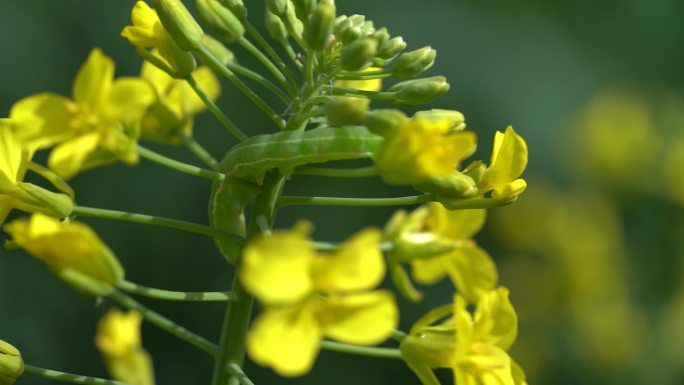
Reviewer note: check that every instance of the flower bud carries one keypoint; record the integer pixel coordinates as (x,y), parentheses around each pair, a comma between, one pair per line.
(11,363)
(275,27)
(457,118)
(385,122)
(358,54)
(297,25)
(412,246)
(319,27)
(381,35)
(303,8)
(277,7)
(223,54)
(420,91)
(220,20)
(237,7)
(391,47)
(455,185)
(410,64)
(431,346)
(71,251)
(56,204)
(179,23)
(345,111)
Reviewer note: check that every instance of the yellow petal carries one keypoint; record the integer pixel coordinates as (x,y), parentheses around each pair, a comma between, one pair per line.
(7,203)
(509,159)
(454,224)
(496,318)
(127,100)
(286,338)
(362,319)
(509,190)
(118,332)
(429,271)
(160,80)
(208,82)
(13,158)
(472,271)
(144,31)
(43,120)
(93,80)
(67,158)
(357,265)
(276,268)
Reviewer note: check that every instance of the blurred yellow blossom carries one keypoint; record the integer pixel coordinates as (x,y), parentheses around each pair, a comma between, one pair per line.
(100,125)
(346,110)
(509,159)
(308,296)
(423,148)
(176,103)
(118,340)
(72,251)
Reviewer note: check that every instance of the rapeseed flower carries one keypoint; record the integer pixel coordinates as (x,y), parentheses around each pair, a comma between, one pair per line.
(509,159)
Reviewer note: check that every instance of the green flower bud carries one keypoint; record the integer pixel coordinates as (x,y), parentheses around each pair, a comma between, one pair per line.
(385,122)
(391,47)
(410,64)
(358,54)
(277,7)
(419,91)
(457,118)
(346,111)
(275,27)
(455,185)
(319,27)
(237,7)
(350,34)
(179,23)
(303,8)
(220,20)
(411,246)
(432,347)
(11,363)
(357,20)
(56,204)
(219,50)
(367,28)
(381,35)
(297,25)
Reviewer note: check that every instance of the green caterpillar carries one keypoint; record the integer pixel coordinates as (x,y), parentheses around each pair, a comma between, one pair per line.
(246,164)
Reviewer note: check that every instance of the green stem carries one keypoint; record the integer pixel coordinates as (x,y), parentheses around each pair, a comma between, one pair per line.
(335,201)
(331,246)
(374,95)
(361,172)
(380,72)
(398,335)
(270,52)
(212,62)
(291,53)
(68,377)
(213,108)
(200,152)
(151,220)
(179,166)
(151,292)
(364,76)
(246,72)
(246,44)
(164,323)
(310,60)
(236,371)
(362,350)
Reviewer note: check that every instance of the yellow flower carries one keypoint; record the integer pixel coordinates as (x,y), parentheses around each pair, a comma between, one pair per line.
(99,126)
(423,148)
(71,251)
(15,194)
(176,103)
(473,346)
(118,339)
(147,32)
(436,242)
(308,296)
(509,159)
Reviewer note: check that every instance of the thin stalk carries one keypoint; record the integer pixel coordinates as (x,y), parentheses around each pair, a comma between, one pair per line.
(374,95)
(362,350)
(291,53)
(213,108)
(164,323)
(179,166)
(398,335)
(246,44)
(271,52)
(236,371)
(246,72)
(332,246)
(200,152)
(310,61)
(361,172)
(212,62)
(337,201)
(364,76)
(168,295)
(291,31)
(68,377)
(151,220)
(380,72)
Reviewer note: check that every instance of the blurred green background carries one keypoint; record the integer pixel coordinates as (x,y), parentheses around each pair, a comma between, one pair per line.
(592,251)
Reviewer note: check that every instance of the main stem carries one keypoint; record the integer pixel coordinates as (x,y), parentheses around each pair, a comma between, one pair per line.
(236,321)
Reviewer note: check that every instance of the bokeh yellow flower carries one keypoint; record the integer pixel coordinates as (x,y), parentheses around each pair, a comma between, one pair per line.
(509,159)
(308,296)
(118,340)
(176,104)
(99,126)
(71,251)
